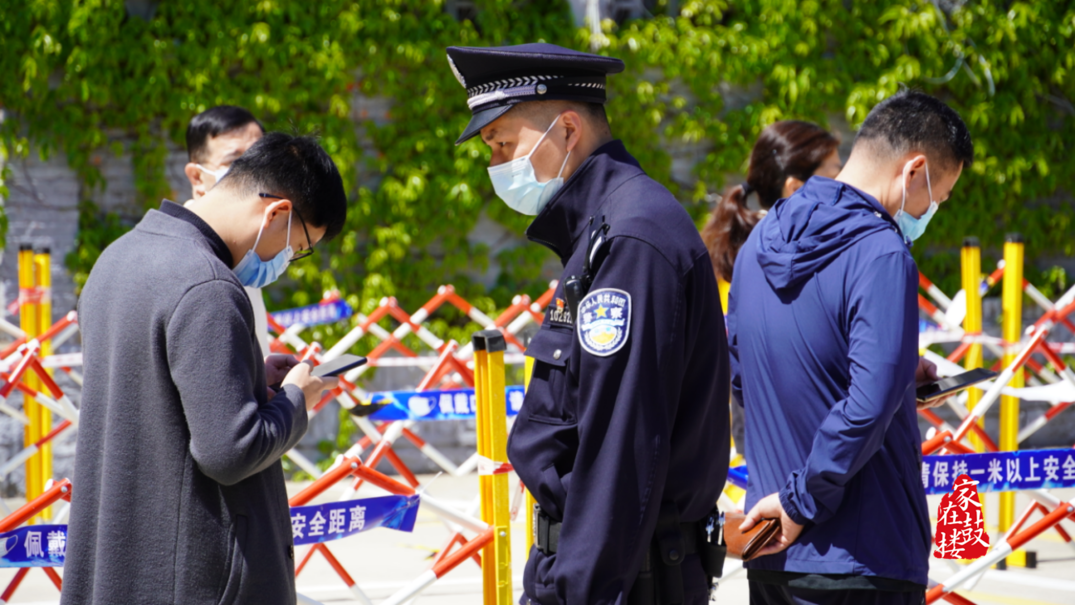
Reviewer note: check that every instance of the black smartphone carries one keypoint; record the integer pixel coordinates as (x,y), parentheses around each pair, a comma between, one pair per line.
(338,366)
(946,386)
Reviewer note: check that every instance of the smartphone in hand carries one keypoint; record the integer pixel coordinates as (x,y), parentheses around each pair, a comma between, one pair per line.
(338,366)
(946,386)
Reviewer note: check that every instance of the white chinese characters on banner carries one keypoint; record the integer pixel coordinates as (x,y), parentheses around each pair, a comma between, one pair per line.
(33,544)
(317,525)
(335,520)
(57,543)
(298,523)
(358,518)
(1001,471)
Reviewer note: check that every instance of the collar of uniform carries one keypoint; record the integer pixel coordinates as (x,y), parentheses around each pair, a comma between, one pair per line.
(565,217)
(212,239)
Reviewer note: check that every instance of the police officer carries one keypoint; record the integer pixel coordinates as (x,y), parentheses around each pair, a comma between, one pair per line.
(623,436)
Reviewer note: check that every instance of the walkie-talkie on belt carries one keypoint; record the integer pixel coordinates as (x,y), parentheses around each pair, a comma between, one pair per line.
(576,288)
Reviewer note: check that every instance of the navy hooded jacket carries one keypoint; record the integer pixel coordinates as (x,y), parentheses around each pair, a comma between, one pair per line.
(823,335)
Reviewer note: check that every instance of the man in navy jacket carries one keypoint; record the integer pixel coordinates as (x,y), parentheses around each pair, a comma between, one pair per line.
(823,333)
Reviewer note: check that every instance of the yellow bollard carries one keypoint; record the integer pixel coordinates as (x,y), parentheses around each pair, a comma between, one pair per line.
(1011,333)
(971,256)
(528,371)
(28,320)
(971,263)
(481,396)
(43,275)
(489,347)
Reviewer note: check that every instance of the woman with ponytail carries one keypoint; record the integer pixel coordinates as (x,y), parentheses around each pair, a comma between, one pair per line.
(786,155)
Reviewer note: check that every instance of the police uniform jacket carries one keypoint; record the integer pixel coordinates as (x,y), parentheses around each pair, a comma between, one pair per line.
(627,405)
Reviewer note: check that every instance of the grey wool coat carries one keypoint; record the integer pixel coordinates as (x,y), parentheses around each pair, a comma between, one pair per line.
(178,493)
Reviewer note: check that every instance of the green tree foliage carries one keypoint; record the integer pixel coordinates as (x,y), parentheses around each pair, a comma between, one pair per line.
(77,75)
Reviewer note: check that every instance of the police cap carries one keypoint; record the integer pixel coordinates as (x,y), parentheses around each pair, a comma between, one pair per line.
(496,78)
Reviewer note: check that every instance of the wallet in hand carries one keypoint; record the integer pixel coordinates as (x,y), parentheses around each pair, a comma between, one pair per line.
(745,545)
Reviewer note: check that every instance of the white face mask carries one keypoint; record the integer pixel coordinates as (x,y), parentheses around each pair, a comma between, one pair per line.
(516,183)
(217,174)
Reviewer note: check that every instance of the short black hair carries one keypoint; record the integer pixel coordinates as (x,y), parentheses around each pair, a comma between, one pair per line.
(911,120)
(296,168)
(542,113)
(212,122)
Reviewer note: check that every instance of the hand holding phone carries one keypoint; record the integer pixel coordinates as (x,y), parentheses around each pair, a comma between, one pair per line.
(313,387)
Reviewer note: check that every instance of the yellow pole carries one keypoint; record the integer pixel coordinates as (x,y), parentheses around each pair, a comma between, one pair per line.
(1012,330)
(493,447)
(28,320)
(971,256)
(528,371)
(43,273)
(485,485)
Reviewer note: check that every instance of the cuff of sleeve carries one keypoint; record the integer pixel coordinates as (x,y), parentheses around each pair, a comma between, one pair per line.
(297,399)
(787,500)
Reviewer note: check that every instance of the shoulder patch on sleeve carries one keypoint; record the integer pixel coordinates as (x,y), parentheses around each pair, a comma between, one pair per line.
(604,321)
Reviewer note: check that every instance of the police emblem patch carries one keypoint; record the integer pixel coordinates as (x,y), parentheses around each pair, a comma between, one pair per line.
(604,321)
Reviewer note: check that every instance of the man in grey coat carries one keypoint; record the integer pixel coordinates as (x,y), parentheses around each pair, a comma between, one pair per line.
(179,495)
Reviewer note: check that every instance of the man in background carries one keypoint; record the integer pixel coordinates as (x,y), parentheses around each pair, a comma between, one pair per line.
(217,137)
(823,331)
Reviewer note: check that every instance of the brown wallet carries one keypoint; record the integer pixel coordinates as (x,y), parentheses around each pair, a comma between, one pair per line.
(745,545)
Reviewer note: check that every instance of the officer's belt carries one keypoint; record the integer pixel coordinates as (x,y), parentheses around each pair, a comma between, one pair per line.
(547,534)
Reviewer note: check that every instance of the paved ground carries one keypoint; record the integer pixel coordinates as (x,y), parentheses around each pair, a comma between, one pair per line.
(383,561)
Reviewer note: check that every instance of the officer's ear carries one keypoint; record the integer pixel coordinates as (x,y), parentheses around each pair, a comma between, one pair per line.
(573,128)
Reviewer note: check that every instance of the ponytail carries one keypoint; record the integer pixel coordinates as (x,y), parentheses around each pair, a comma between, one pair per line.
(727,229)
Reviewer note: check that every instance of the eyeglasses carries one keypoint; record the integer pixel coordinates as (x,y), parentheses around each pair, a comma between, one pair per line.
(309,242)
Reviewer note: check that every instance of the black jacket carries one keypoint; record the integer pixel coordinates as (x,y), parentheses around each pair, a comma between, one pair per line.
(628,403)
(178,493)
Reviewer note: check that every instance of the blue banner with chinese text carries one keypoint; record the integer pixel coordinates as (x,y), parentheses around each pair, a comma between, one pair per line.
(323,313)
(1001,471)
(34,546)
(335,520)
(437,405)
(994,472)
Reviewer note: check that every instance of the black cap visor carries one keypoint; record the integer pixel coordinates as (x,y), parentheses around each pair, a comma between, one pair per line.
(480,120)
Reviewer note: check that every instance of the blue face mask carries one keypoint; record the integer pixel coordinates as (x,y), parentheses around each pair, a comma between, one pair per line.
(911,227)
(516,183)
(256,273)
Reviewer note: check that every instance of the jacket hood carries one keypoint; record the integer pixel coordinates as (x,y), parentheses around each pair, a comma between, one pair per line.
(803,233)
